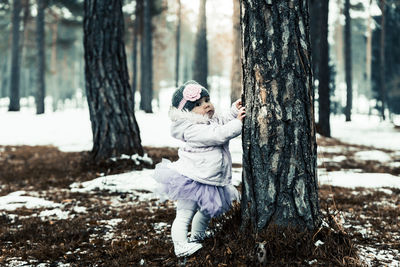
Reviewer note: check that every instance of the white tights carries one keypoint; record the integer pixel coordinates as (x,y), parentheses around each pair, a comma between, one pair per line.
(187,210)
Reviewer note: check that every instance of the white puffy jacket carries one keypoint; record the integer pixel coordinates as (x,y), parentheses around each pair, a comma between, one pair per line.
(205,157)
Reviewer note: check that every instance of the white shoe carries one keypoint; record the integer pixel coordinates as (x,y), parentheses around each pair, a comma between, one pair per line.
(183,249)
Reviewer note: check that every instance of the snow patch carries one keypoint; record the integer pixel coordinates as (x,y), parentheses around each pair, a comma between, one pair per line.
(376,155)
(124,183)
(16,200)
(350,179)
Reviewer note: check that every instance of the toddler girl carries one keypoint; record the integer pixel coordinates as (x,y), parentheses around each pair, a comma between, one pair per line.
(200,180)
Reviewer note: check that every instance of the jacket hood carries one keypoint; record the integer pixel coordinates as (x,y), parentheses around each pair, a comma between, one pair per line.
(181,119)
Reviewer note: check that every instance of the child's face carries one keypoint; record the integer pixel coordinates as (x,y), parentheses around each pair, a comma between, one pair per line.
(203,106)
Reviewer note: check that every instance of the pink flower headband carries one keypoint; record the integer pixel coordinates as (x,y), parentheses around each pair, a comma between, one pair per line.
(192,92)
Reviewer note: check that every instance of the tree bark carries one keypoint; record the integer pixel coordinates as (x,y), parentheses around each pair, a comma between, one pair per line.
(324,73)
(109,95)
(200,63)
(146,60)
(15,58)
(236,71)
(382,64)
(41,66)
(348,65)
(279,144)
(178,43)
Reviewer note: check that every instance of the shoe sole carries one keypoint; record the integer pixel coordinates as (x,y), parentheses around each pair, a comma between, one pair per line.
(190,252)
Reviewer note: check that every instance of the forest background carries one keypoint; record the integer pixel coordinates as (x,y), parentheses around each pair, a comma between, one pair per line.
(42,71)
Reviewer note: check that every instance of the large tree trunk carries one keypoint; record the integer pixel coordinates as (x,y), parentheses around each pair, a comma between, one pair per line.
(146,60)
(114,127)
(348,68)
(15,58)
(200,63)
(382,63)
(279,144)
(324,73)
(236,71)
(41,66)
(178,43)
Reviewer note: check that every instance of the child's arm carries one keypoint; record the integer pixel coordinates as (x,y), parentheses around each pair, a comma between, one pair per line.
(200,135)
(233,112)
(203,135)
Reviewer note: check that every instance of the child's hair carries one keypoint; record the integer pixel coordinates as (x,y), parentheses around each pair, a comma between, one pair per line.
(186,95)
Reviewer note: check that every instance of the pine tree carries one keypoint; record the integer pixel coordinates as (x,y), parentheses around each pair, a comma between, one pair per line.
(324,73)
(348,63)
(15,58)
(279,142)
(109,95)
(41,63)
(146,60)
(178,43)
(200,63)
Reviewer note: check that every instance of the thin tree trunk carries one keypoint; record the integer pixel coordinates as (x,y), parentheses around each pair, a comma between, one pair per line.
(369,50)
(41,66)
(200,62)
(15,58)
(236,71)
(24,81)
(348,64)
(279,143)
(146,60)
(324,73)
(178,42)
(109,95)
(5,76)
(382,63)
(136,28)
(186,67)
(339,46)
(54,36)
(24,35)
(315,27)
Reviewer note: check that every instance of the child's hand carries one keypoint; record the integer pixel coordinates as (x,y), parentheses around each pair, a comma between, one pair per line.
(238,103)
(241,114)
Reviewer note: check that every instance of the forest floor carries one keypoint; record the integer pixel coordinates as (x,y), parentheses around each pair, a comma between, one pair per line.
(360,227)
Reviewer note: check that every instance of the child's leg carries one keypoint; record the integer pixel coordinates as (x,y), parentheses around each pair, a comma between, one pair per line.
(184,213)
(199,225)
(179,230)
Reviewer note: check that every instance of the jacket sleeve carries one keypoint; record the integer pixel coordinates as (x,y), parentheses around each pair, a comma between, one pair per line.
(232,114)
(200,135)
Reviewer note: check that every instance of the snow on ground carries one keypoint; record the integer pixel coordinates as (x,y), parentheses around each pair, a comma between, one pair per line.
(351,179)
(366,130)
(373,155)
(135,181)
(69,130)
(19,199)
